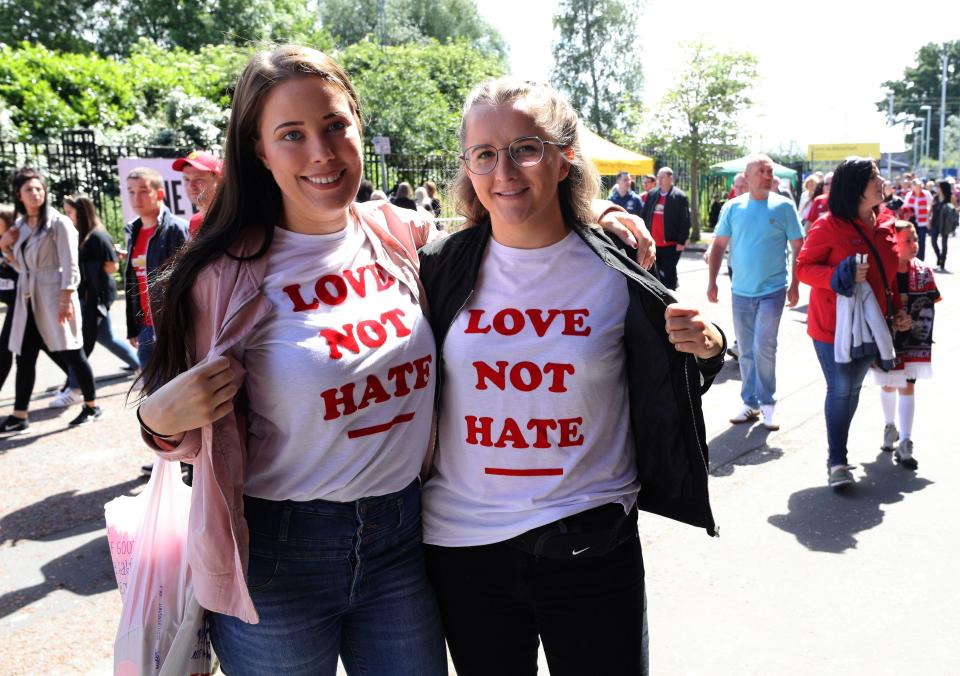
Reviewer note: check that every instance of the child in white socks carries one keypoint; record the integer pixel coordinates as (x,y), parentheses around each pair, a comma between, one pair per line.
(919,292)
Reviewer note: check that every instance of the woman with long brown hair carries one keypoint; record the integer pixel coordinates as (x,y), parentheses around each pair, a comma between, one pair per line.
(98,290)
(47,309)
(305,524)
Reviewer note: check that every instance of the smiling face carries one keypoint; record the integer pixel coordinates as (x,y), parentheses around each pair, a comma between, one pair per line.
(310,141)
(522,202)
(32,194)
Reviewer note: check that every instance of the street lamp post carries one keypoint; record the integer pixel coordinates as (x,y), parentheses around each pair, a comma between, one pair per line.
(918,162)
(943,108)
(926,146)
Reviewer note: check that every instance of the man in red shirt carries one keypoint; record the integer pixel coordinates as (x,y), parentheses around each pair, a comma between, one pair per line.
(201,176)
(152,238)
(666,211)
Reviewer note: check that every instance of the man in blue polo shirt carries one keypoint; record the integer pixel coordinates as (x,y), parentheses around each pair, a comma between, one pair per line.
(760,224)
(623,196)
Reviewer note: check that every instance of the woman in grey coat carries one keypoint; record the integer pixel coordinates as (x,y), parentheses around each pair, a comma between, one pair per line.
(47,308)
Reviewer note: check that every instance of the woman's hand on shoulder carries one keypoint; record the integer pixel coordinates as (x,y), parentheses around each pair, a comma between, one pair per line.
(194,398)
(690,332)
(632,231)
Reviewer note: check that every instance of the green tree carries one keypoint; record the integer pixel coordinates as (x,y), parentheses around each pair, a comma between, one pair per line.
(413,93)
(596,63)
(951,142)
(405,21)
(920,85)
(115,28)
(700,111)
(47,92)
(67,25)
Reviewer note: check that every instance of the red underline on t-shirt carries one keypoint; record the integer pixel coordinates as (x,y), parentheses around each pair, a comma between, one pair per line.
(377,429)
(545,471)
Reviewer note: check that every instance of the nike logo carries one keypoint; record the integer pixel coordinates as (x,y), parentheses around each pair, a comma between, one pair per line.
(580,551)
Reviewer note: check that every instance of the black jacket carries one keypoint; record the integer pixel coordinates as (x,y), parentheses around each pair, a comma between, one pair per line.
(676,214)
(664,385)
(169,236)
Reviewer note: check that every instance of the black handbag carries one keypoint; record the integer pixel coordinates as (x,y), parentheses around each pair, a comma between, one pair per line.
(888,314)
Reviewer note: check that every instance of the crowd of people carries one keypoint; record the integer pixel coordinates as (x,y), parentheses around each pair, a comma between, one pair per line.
(857,241)
(58,280)
(402,437)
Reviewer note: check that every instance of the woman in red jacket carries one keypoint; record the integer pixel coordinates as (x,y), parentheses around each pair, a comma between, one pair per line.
(853,220)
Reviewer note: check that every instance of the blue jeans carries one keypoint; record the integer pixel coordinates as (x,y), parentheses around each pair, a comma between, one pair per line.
(146,340)
(332,579)
(116,346)
(756,322)
(843,396)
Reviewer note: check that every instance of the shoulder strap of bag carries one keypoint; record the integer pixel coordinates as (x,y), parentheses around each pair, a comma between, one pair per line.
(883,272)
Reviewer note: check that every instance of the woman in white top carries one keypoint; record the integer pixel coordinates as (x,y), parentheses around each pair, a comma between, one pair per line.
(568,384)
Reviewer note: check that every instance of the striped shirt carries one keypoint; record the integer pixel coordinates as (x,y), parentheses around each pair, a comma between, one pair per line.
(921,205)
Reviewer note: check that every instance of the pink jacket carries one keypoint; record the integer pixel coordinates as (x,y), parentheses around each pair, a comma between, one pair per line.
(227,305)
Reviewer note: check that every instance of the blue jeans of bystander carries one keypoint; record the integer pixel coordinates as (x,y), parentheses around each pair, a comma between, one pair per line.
(756,322)
(843,396)
(146,340)
(331,579)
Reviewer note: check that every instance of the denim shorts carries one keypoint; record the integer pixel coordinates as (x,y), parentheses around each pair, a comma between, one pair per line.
(335,579)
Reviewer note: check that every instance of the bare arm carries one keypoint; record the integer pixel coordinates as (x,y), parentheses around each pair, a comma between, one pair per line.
(717,250)
(793,292)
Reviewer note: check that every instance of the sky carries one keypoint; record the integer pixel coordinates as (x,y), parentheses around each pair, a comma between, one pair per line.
(820,66)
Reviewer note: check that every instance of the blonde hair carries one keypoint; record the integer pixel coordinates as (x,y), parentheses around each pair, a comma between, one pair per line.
(560,123)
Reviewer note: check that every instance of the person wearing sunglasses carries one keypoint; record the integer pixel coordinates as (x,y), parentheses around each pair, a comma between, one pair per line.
(569,387)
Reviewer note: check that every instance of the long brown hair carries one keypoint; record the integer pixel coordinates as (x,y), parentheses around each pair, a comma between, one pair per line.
(560,121)
(87,219)
(246,207)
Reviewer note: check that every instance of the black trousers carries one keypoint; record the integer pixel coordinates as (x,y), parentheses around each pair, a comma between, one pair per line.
(496,601)
(27,365)
(939,247)
(6,356)
(667,259)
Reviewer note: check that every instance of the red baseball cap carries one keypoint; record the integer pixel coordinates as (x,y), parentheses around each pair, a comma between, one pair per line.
(200,159)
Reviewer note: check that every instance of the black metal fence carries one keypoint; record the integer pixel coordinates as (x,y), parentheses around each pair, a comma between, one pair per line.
(78,164)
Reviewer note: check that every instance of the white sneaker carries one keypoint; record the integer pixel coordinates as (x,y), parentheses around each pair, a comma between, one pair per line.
(890,437)
(904,455)
(745,414)
(66,397)
(766,410)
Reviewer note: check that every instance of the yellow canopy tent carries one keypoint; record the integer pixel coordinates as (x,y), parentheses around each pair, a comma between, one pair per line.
(609,158)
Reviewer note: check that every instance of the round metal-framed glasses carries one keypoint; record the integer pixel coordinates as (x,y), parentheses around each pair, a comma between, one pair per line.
(526,151)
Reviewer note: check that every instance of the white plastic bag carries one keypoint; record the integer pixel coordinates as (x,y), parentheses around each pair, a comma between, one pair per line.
(163,630)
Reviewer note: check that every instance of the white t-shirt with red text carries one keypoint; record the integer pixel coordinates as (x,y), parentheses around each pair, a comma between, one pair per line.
(339,374)
(534,417)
